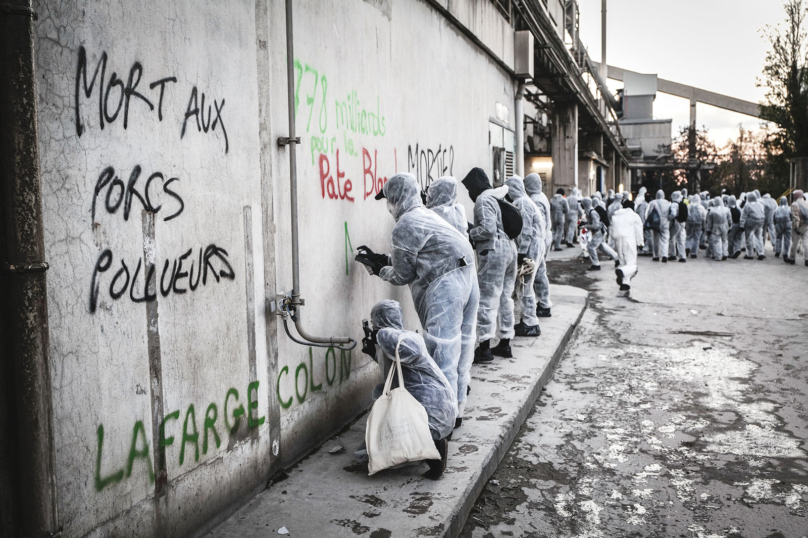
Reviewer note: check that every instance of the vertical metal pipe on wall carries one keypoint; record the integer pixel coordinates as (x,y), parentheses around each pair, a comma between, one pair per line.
(519,112)
(292,142)
(24,281)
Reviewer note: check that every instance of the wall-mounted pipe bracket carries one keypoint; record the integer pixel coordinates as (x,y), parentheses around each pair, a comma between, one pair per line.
(286,140)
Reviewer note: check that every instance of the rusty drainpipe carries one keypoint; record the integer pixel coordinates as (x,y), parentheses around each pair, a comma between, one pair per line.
(23,267)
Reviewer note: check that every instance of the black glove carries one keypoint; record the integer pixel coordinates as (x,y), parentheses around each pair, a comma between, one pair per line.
(369,344)
(375,262)
(520,259)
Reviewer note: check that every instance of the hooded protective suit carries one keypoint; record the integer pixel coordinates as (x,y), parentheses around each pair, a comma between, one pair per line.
(616,205)
(694,227)
(717,227)
(782,227)
(541,284)
(437,263)
(442,199)
(496,272)
(597,228)
(678,234)
(769,207)
(661,236)
(609,198)
(626,229)
(752,220)
(799,225)
(705,203)
(558,209)
(529,244)
(422,378)
(598,198)
(735,236)
(641,208)
(573,215)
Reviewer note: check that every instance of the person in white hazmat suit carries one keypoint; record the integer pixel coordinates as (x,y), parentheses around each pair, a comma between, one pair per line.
(442,199)
(678,234)
(422,378)
(694,227)
(437,263)
(735,236)
(705,203)
(597,228)
(616,205)
(598,198)
(529,246)
(799,227)
(782,229)
(574,214)
(627,231)
(661,237)
(558,210)
(717,227)
(541,284)
(769,207)
(752,220)
(496,271)
(641,208)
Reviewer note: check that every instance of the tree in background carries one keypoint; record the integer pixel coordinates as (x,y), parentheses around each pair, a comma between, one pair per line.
(676,179)
(785,77)
(742,165)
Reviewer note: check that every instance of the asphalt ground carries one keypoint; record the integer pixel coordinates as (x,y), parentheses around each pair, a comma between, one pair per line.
(679,411)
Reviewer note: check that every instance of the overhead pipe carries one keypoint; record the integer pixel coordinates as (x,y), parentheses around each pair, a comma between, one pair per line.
(291,306)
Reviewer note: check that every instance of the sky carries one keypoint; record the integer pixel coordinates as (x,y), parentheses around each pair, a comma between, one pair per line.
(716,45)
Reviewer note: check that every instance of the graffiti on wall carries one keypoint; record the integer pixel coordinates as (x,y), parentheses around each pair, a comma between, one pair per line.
(304,375)
(118,100)
(428,164)
(194,432)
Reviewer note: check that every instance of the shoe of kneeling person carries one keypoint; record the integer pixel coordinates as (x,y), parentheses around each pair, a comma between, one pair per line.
(594,268)
(761,257)
(527,330)
(482,355)
(436,467)
(502,351)
(543,312)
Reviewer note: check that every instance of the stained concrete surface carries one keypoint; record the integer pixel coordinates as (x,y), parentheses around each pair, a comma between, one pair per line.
(680,411)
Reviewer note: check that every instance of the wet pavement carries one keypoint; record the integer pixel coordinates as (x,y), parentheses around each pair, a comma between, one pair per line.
(681,411)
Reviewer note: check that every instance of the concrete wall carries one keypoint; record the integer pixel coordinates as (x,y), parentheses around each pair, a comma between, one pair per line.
(158,122)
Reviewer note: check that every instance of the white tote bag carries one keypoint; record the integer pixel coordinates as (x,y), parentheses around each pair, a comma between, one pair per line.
(398,427)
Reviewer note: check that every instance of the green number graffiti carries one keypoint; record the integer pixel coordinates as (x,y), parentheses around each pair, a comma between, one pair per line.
(299,70)
(310,98)
(323,113)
